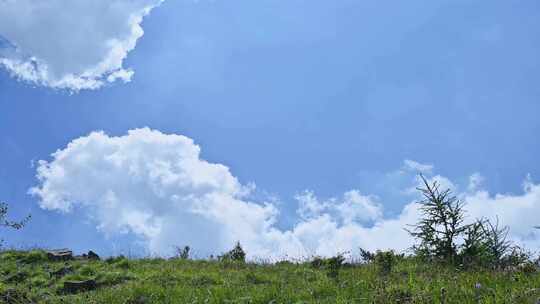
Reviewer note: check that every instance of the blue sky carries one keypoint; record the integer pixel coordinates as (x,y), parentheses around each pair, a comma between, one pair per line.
(326,96)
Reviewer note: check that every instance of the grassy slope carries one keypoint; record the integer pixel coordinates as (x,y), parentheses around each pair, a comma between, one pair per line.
(184,281)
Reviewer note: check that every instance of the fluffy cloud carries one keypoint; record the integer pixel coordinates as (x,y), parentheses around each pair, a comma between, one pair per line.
(353,207)
(71,45)
(157,187)
(519,211)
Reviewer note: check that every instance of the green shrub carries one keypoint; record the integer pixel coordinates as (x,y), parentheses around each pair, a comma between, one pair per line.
(39,281)
(182,253)
(112,278)
(119,261)
(474,251)
(34,256)
(332,265)
(124,264)
(517,256)
(317,262)
(17,277)
(112,260)
(237,254)
(87,270)
(385,261)
(528,267)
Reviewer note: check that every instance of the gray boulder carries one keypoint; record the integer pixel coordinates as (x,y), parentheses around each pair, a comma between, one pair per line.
(60,255)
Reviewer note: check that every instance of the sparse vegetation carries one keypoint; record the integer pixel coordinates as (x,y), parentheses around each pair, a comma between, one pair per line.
(453,263)
(26,277)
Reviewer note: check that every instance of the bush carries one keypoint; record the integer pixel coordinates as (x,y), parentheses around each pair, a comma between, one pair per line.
(87,271)
(39,281)
(237,254)
(517,256)
(113,260)
(367,256)
(474,251)
(485,244)
(385,261)
(528,267)
(124,264)
(331,265)
(34,256)
(182,253)
(334,264)
(119,261)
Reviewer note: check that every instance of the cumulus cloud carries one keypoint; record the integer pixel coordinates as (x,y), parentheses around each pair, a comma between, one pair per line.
(426,170)
(352,207)
(72,45)
(518,211)
(156,187)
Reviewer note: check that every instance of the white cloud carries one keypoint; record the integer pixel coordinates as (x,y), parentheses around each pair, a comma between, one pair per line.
(72,45)
(411,165)
(520,212)
(352,207)
(475,181)
(157,187)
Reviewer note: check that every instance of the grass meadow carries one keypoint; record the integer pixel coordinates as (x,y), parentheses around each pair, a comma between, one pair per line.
(29,277)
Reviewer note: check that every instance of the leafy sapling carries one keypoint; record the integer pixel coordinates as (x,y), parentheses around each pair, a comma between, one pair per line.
(441,223)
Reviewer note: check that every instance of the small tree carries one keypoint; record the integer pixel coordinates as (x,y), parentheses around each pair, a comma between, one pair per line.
(441,223)
(385,261)
(474,249)
(496,241)
(237,254)
(4,222)
(183,253)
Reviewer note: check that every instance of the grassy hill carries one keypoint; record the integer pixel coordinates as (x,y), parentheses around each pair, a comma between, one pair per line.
(30,277)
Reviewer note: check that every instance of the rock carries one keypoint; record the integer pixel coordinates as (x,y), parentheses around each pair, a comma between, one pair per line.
(60,255)
(62,272)
(93,256)
(78,286)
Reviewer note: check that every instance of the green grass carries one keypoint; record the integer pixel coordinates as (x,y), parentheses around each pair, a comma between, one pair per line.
(25,276)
